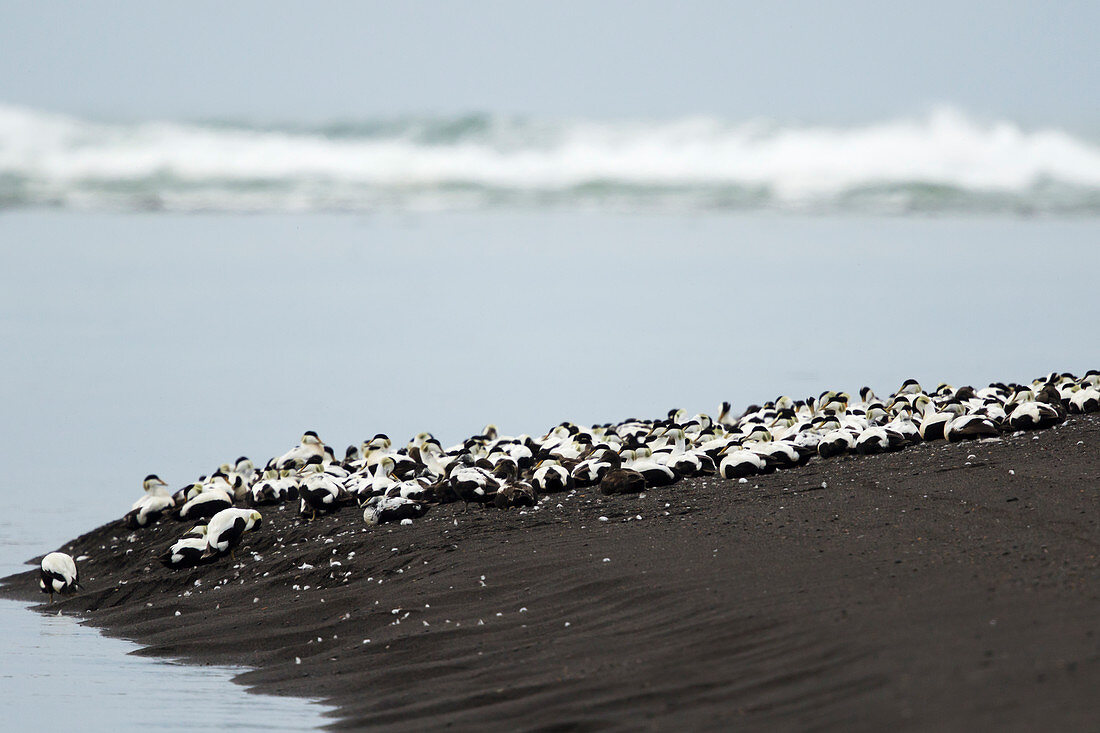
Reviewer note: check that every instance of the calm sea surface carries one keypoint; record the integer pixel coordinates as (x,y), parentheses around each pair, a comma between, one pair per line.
(139,343)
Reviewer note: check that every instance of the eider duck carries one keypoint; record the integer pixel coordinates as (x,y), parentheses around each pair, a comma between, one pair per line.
(877,440)
(933,423)
(273,488)
(835,401)
(739,463)
(514,491)
(415,489)
(691,463)
(682,461)
(903,426)
(206,504)
(970,427)
(994,411)
(622,481)
(472,484)
(550,477)
(58,574)
(153,484)
(375,448)
(876,413)
(1050,395)
(245,468)
(226,529)
(300,454)
(188,492)
(591,471)
(910,386)
(383,477)
(318,490)
(758,433)
(641,460)
(221,481)
(835,443)
(383,509)
(1085,400)
(188,551)
(1034,415)
(782,454)
(150,507)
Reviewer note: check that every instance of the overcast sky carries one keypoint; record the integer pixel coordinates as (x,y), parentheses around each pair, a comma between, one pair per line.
(1030,61)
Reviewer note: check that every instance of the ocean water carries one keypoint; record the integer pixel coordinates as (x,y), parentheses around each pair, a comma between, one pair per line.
(942,161)
(171,342)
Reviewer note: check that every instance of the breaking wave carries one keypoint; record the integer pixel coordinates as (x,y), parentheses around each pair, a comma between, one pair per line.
(943,161)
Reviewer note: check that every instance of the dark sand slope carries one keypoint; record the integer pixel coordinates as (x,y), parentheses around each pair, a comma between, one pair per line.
(930,589)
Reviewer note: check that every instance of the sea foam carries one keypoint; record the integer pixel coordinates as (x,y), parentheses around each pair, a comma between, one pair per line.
(944,160)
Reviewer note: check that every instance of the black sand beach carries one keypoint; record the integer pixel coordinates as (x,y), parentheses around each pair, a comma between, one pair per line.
(944,587)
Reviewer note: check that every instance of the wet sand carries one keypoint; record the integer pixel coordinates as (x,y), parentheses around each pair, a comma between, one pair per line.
(945,587)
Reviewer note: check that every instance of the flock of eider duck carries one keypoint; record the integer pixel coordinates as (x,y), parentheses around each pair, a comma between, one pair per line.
(400,483)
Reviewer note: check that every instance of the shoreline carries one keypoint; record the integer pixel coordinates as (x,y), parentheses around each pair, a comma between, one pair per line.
(923,589)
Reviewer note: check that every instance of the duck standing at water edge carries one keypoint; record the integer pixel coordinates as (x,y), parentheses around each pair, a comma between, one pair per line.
(58,574)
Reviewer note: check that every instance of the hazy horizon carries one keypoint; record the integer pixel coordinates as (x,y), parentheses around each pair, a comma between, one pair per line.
(945,161)
(1028,62)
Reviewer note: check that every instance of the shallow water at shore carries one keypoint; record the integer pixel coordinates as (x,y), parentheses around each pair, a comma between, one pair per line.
(55,672)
